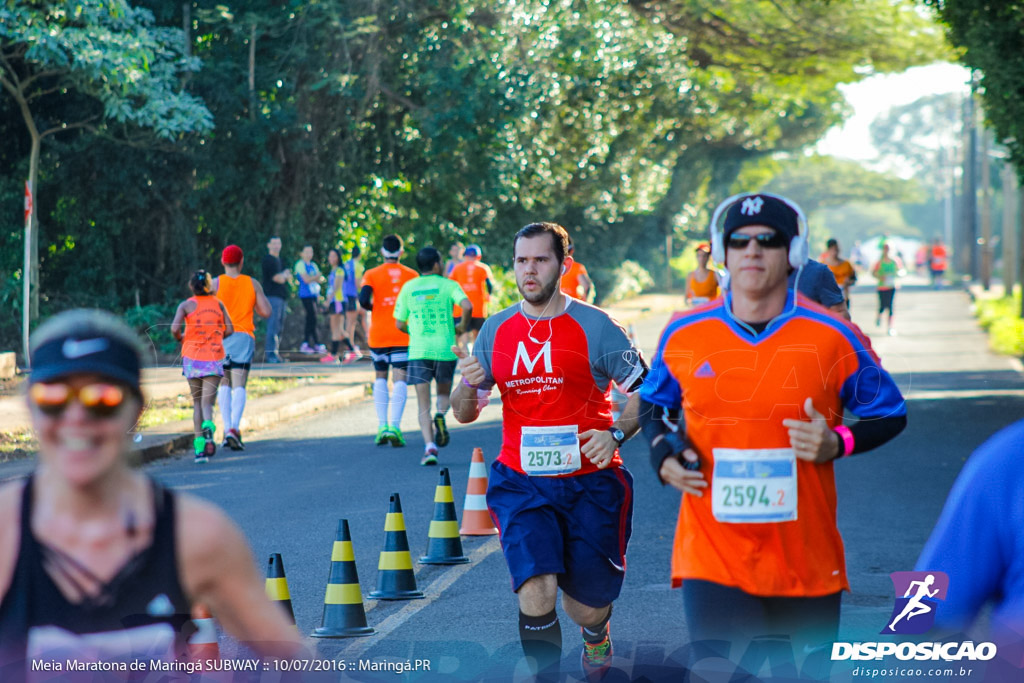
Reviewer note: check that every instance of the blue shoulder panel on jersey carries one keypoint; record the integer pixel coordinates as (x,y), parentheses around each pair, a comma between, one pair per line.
(870,391)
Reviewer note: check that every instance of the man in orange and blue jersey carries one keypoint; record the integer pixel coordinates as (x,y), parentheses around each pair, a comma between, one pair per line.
(762,377)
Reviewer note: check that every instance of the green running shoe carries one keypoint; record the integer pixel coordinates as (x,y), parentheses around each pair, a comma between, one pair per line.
(396,438)
(440,431)
(199,446)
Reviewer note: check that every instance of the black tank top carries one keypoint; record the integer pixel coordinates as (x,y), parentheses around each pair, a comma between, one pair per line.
(143,612)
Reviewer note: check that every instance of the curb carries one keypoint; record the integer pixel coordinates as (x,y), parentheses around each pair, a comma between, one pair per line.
(158,447)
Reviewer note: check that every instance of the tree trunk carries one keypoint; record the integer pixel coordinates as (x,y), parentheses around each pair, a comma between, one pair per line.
(986,212)
(252,72)
(30,286)
(1009,228)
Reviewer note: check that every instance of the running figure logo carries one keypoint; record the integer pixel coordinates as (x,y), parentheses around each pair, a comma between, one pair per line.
(914,612)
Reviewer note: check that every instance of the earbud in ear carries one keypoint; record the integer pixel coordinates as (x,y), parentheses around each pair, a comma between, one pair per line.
(563,270)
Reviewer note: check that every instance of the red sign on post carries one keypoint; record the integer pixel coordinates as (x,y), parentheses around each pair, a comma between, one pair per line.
(28,202)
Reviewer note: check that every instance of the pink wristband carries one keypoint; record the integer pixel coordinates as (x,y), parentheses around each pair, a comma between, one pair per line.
(847,436)
(471,386)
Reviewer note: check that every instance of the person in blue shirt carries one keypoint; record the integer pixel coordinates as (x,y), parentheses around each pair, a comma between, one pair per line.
(818,284)
(979,538)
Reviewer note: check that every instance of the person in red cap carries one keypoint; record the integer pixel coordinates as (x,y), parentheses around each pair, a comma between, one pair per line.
(241,295)
(701,283)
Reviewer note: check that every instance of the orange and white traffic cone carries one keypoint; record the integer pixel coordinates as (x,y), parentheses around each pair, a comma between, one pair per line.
(203,643)
(476,520)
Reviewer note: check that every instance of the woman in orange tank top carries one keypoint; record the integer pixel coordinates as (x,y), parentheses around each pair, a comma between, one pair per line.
(206,322)
(701,283)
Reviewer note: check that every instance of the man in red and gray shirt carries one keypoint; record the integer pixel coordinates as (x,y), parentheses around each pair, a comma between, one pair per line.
(558,492)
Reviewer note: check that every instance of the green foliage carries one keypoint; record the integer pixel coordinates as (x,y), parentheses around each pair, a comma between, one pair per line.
(152,323)
(630,279)
(841,198)
(815,182)
(105,49)
(919,136)
(505,291)
(1001,317)
(438,121)
(990,35)
(858,222)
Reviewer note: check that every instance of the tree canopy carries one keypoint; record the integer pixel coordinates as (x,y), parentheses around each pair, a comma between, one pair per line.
(341,120)
(990,35)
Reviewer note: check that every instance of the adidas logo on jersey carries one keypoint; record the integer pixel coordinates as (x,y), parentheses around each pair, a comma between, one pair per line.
(705,370)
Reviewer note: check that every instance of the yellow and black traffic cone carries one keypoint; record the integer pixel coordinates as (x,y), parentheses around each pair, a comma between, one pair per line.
(476,520)
(277,585)
(395,578)
(443,543)
(344,615)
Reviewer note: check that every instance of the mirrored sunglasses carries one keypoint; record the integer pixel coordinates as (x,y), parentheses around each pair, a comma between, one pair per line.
(766,240)
(99,400)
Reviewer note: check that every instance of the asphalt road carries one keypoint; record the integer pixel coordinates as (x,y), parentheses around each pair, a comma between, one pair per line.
(293,483)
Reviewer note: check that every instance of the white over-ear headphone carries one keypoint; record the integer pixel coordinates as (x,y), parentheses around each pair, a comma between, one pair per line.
(798,247)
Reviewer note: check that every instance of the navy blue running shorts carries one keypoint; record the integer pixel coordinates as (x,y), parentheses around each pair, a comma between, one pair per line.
(574,527)
(394,356)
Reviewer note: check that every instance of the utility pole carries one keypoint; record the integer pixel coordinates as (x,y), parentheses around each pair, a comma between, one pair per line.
(1020,240)
(668,262)
(986,212)
(26,275)
(966,246)
(1009,227)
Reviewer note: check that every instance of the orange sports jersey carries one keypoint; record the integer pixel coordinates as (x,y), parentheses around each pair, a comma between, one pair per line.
(204,330)
(473,276)
(938,257)
(843,272)
(570,283)
(239,297)
(706,289)
(386,280)
(769,526)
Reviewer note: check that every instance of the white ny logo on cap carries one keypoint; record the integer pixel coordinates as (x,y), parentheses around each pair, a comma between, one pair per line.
(751,206)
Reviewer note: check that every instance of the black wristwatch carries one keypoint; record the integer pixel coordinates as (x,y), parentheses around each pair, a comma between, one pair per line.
(617,434)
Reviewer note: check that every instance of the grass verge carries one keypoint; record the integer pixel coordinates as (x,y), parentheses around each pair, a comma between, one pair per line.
(1000,316)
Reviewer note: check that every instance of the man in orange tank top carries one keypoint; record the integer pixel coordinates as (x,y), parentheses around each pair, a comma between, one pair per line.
(477,281)
(241,296)
(762,377)
(938,260)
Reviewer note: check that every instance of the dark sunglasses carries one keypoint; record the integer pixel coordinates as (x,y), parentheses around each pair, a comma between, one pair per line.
(100,400)
(766,240)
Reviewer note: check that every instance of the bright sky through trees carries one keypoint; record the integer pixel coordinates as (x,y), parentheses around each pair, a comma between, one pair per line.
(876,95)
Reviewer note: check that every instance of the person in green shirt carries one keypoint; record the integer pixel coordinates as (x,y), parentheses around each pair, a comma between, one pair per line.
(885,270)
(424,311)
